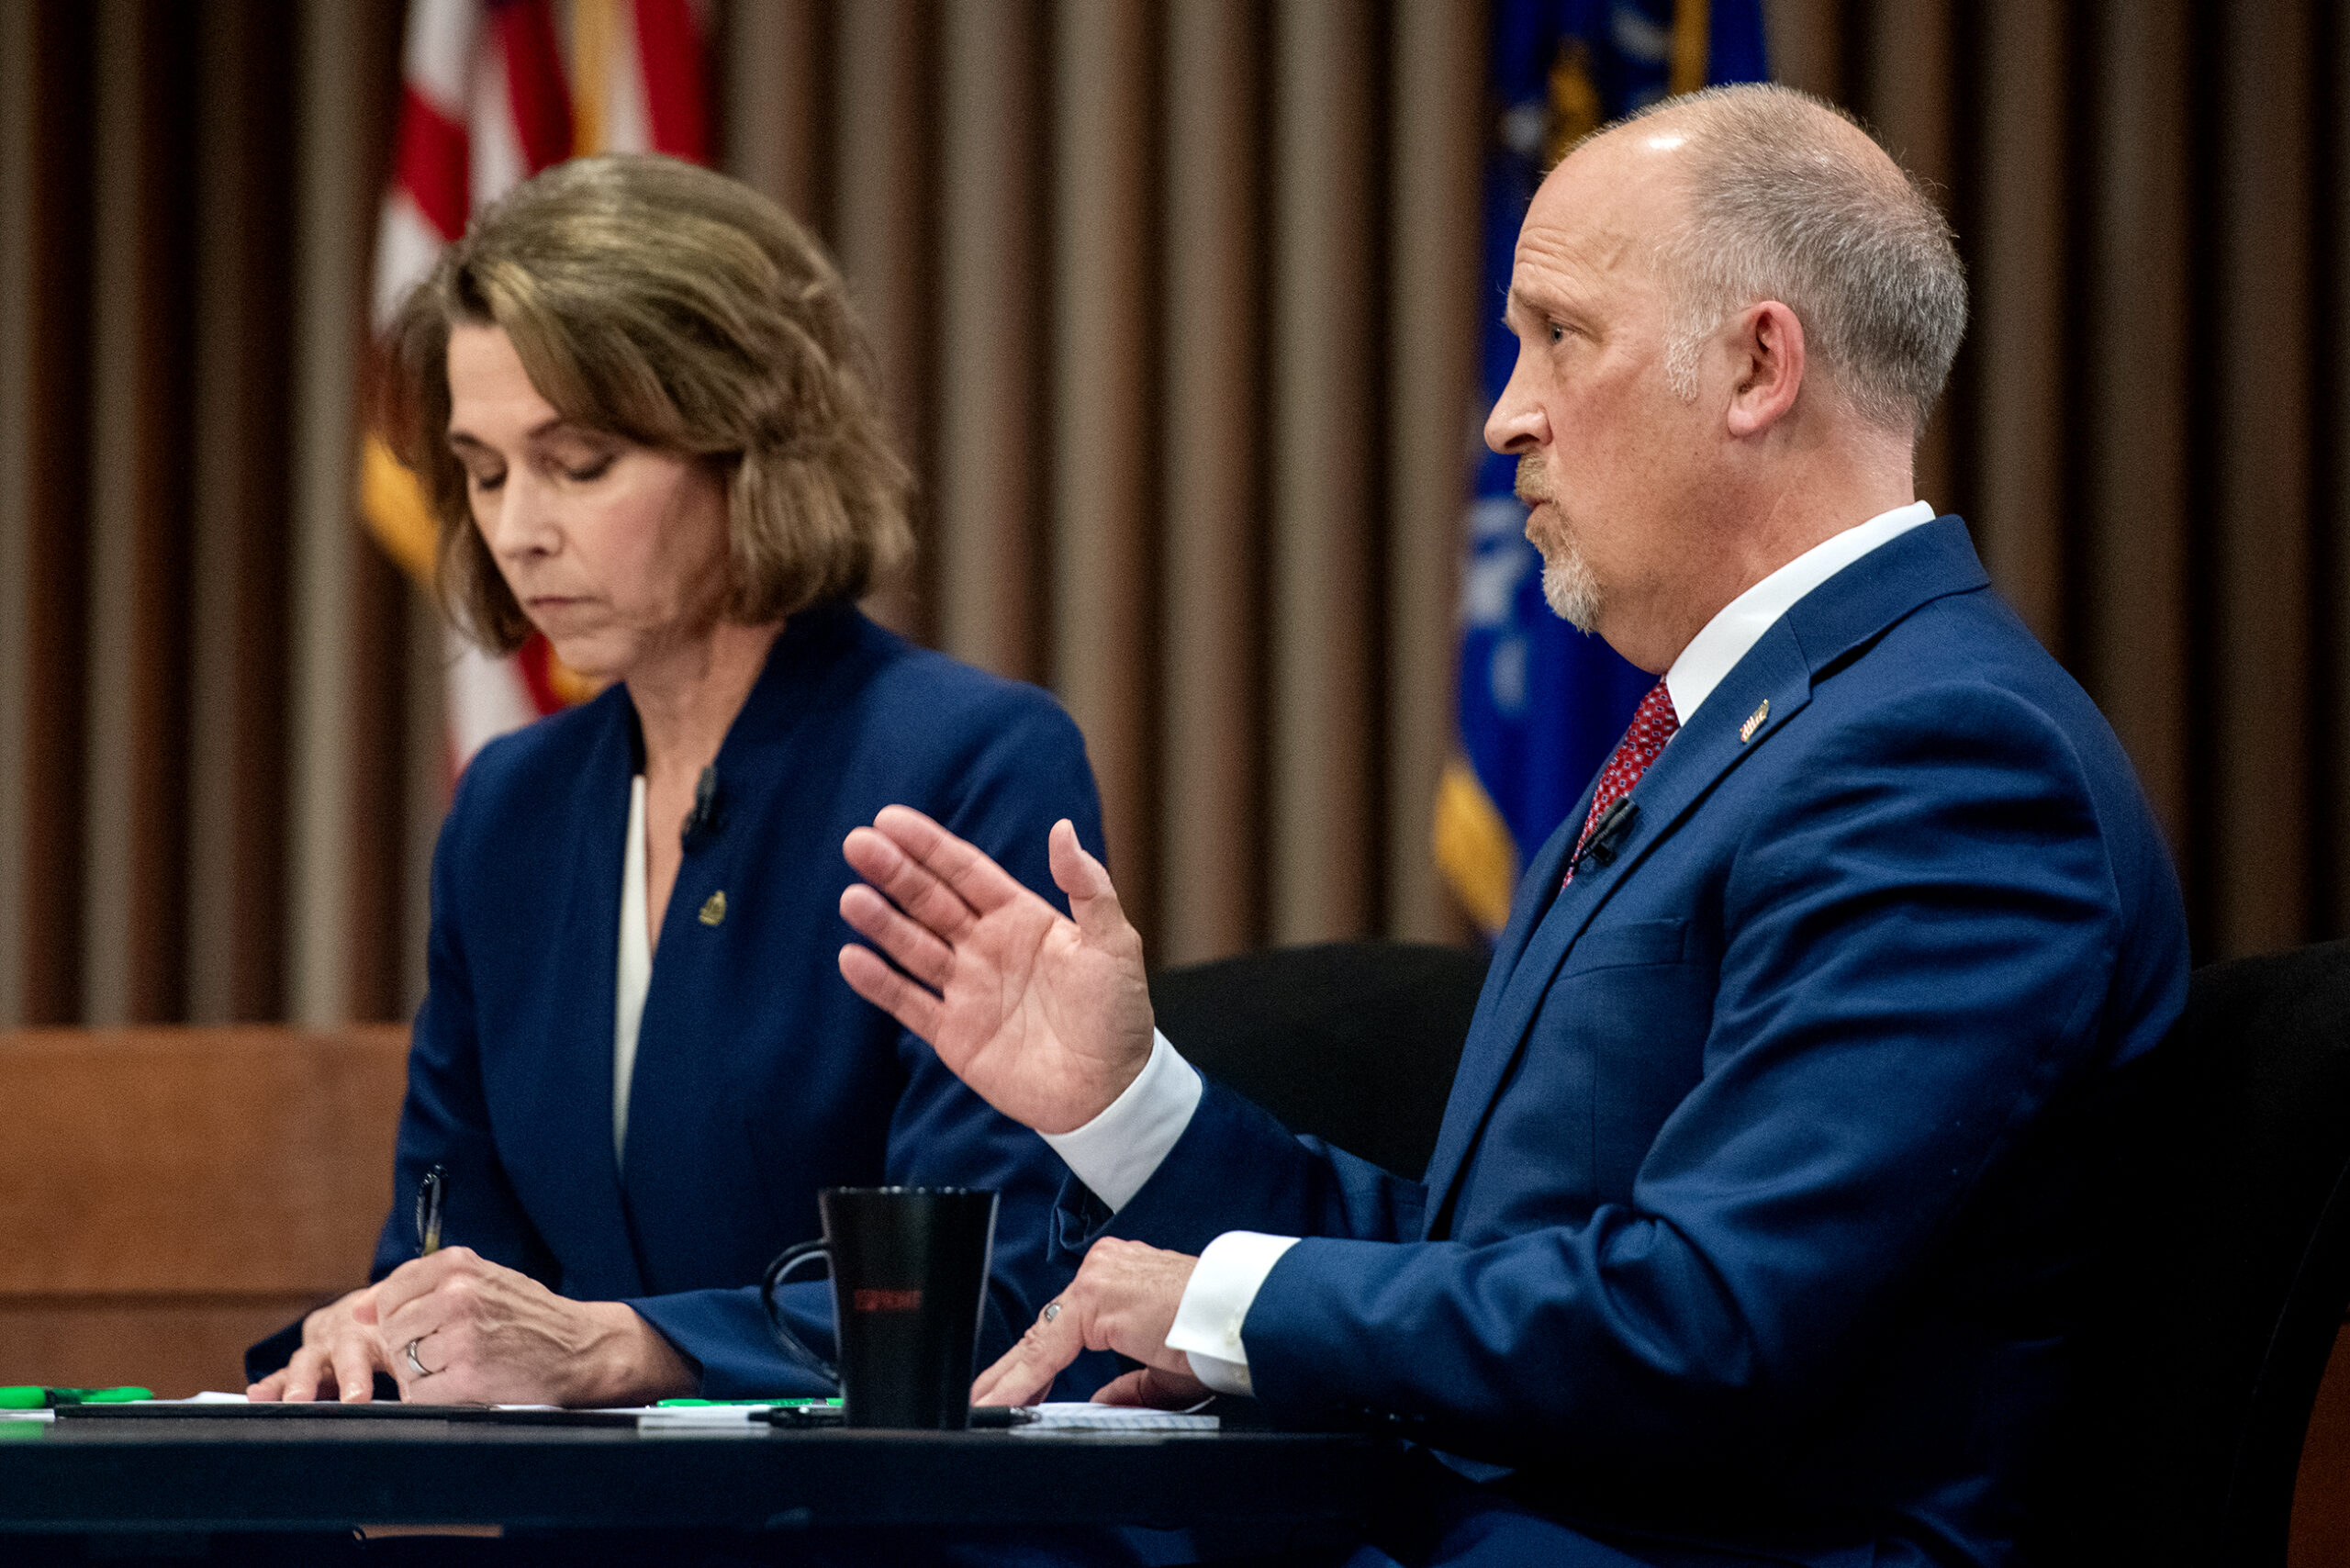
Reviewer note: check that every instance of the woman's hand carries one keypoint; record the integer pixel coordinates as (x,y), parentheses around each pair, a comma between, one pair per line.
(1046,1018)
(485,1334)
(339,1358)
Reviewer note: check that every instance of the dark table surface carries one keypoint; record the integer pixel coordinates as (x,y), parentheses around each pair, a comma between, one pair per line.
(199,1474)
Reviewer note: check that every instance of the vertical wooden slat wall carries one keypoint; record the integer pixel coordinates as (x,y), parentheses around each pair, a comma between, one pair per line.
(1190,402)
(340,876)
(1211,565)
(2145,428)
(1906,57)
(2263,874)
(775,76)
(2333,468)
(1326,604)
(989,496)
(1103,450)
(184,836)
(141,342)
(240,541)
(1438,157)
(46,162)
(2019,310)
(20,219)
(2131,463)
(1177,301)
(884,76)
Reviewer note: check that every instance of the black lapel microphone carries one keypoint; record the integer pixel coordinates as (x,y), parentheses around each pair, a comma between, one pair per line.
(1607,834)
(703,818)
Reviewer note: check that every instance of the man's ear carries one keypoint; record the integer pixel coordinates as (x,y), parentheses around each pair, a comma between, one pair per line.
(1768,345)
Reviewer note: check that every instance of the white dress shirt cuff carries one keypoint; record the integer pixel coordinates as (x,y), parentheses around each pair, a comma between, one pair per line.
(1231,1272)
(1116,1152)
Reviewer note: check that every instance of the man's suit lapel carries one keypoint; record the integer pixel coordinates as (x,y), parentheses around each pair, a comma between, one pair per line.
(1538,889)
(1474,1079)
(1856,604)
(1682,775)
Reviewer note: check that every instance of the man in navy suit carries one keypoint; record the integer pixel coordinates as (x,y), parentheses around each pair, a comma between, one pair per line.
(1750,1232)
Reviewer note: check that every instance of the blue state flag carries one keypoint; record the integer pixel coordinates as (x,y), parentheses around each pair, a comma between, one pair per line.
(1541,704)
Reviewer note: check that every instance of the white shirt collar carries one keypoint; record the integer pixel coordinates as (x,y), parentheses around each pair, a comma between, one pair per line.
(1715,652)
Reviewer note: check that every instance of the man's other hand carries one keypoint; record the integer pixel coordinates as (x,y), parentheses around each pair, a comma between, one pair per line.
(1123,1299)
(1046,1018)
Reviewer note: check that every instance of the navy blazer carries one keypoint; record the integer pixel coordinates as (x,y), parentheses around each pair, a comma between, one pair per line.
(760,1077)
(1737,1230)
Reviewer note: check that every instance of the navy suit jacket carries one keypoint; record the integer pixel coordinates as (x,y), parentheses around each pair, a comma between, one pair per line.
(760,1077)
(1738,1231)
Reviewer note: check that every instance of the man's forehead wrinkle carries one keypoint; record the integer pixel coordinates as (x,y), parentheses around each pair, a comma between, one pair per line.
(1541,286)
(1555,257)
(1544,247)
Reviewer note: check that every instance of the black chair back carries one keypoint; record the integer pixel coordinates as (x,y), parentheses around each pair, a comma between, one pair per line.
(2220,1270)
(1352,1042)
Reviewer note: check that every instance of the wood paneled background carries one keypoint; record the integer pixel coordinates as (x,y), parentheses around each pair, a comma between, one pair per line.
(174,1194)
(1178,301)
(2147,427)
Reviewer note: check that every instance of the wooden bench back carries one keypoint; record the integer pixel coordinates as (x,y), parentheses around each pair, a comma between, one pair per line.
(168,1195)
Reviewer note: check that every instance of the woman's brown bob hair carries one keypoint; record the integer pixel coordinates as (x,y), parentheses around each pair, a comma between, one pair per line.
(673,307)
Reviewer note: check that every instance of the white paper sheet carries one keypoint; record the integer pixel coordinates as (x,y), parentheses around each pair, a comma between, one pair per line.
(1085,1416)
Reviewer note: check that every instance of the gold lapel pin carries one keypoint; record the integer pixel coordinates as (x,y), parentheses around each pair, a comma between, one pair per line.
(713,908)
(1745,732)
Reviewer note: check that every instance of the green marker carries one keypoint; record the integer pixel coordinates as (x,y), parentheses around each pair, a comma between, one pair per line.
(32,1396)
(761,1404)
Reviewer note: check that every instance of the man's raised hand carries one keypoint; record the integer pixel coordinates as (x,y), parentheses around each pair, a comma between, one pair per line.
(1046,1017)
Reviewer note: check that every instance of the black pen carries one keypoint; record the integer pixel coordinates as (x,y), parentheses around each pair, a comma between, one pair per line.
(986,1415)
(430,1194)
(808,1416)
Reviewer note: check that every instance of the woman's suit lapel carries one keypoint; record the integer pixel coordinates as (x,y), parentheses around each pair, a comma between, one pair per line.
(574,1115)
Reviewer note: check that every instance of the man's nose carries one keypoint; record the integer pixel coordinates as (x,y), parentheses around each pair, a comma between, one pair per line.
(1518,424)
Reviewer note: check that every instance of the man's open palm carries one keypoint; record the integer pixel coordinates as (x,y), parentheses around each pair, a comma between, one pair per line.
(1046,1017)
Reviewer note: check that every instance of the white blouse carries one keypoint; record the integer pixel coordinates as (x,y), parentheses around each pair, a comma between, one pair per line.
(636,967)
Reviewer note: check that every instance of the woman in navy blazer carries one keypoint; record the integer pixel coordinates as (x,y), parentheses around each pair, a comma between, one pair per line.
(645,418)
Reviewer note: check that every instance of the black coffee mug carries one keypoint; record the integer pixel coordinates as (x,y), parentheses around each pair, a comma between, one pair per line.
(910,1270)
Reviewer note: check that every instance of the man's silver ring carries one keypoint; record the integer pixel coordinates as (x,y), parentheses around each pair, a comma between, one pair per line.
(421,1369)
(1052,1310)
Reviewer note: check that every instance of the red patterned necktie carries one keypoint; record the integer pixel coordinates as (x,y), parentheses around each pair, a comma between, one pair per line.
(1654,722)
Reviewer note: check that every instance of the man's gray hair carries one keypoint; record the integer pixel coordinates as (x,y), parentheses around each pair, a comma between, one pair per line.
(1784,206)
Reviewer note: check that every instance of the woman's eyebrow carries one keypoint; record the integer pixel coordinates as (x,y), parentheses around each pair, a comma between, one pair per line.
(562,425)
(559,425)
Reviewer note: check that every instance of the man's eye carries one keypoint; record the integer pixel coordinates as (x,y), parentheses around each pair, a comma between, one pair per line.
(1558,333)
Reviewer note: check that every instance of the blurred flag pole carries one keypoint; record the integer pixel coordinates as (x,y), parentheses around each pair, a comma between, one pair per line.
(489,97)
(1539,704)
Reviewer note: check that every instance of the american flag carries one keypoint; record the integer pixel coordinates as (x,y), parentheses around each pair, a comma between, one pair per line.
(492,91)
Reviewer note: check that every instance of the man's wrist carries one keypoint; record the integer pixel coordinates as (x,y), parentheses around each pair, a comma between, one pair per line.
(1116,1152)
(1217,1298)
